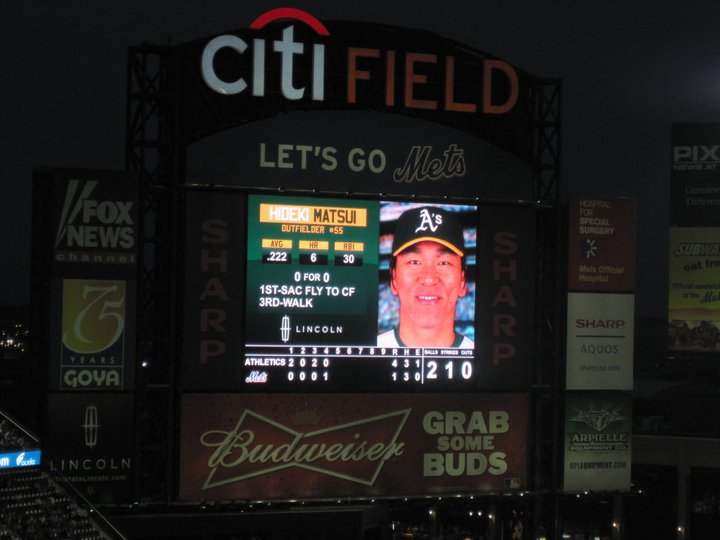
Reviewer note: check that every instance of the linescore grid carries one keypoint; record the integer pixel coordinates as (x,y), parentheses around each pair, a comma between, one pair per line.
(314,302)
(322,366)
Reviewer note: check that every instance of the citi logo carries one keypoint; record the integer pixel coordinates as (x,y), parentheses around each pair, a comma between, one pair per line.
(91,223)
(286,47)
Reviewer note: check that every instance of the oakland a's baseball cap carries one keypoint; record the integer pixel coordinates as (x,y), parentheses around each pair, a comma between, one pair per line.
(428,223)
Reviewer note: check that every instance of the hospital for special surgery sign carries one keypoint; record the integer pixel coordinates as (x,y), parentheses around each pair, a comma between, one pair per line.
(287,446)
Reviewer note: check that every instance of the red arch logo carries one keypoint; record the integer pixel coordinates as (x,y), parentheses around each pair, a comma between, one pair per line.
(290,13)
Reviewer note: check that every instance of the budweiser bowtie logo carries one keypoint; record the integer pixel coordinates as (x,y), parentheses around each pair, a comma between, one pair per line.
(355,451)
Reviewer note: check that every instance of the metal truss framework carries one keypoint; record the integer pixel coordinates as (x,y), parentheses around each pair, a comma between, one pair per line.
(155,153)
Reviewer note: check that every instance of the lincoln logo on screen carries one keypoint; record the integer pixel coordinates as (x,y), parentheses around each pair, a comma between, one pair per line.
(403,75)
(285,329)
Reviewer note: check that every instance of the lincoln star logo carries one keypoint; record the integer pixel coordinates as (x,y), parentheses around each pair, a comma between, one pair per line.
(285,328)
(91,426)
(356,451)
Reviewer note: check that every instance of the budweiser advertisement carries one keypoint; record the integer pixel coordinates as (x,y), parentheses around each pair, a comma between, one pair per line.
(317,446)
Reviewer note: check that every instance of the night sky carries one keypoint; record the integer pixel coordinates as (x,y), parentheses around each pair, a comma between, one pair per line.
(629,71)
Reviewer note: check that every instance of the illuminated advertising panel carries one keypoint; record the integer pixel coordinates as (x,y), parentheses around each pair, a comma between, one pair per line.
(92,334)
(288,292)
(214,288)
(309,446)
(694,295)
(601,244)
(347,291)
(695,184)
(88,440)
(93,221)
(601,300)
(23,458)
(600,338)
(598,441)
(460,121)
(694,292)
(288,60)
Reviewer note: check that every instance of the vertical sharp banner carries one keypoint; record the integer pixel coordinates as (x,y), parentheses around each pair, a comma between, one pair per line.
(694,293)
(213,322)
(601,300)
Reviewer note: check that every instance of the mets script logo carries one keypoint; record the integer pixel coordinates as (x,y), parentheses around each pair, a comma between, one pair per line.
(93,314)
(429,221)
(356,451)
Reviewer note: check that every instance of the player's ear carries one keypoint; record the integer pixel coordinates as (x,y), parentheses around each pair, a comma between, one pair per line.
(393,288)
(463,284)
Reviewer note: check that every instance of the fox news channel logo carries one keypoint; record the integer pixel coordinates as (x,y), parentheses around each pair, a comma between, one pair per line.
(12,460)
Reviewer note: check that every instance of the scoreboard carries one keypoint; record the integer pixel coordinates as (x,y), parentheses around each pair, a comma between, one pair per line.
(318,296)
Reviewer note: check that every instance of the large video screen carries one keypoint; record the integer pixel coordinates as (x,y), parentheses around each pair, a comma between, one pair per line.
(299,292)
(364,293)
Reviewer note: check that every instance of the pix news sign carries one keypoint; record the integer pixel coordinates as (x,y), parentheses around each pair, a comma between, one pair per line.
(292,446)
(695,180)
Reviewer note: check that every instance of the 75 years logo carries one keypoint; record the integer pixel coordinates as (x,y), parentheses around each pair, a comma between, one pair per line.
(93,318)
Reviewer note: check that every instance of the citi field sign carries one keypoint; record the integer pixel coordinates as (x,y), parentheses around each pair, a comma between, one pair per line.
(289,60)
(409,69)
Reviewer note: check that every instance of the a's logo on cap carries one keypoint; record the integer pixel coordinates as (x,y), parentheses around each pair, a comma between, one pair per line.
(429,221)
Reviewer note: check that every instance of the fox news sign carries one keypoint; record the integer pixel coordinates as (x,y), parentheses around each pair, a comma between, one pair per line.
(93,219)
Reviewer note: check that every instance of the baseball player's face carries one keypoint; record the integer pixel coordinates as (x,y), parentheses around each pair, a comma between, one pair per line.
(428,279)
